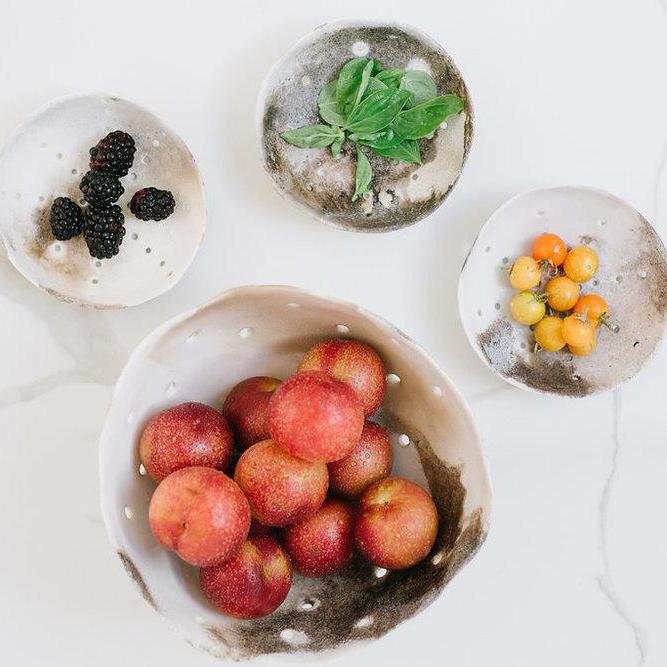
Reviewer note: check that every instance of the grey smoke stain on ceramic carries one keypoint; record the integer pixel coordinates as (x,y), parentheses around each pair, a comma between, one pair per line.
(632,277)
(401,193)
(135,575)
(444,454)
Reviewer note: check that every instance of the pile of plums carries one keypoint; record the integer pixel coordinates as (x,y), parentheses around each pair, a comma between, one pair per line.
(309,488)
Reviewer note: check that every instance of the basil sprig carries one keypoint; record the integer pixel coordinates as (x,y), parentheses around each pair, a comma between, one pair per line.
(387,111)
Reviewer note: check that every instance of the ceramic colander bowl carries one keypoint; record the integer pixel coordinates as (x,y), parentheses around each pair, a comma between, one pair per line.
(46,158)
(632,277)
(402,193)
(248,331)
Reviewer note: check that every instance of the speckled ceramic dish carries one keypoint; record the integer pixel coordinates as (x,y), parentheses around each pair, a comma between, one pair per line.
(632,277)
(249,331)
(47,157)
(402,193)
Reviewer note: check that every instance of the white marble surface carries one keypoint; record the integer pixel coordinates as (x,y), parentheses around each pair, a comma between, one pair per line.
(566,92)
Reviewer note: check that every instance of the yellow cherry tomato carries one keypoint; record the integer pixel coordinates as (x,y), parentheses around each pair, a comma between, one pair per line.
(595,307)
(549,333)
(525,273)
(578,331)
(584,350)
(550,247)
(562,293)
(581,263)
(527,308)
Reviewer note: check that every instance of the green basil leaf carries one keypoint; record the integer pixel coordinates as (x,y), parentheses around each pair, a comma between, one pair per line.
(423,119)
(312,136)
(363,84)
(407,151)
(373,85)
(390,77)
(364,175)
(421,85)
(337,145)
(377,111)
(382,140)
(348,83)
(326,103)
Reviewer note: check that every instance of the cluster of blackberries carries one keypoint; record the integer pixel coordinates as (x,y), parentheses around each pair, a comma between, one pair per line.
(101,221)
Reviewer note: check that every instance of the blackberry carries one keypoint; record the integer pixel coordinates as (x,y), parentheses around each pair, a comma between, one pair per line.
(66,218)
(152,204)
(103,231)
(100,189)
(114,154)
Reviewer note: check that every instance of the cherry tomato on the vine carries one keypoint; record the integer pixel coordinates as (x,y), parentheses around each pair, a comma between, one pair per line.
(549,333)
(527,308)
(562,293)
(525,273)
(578,331)
(581,263)
(549,247)
(595,307)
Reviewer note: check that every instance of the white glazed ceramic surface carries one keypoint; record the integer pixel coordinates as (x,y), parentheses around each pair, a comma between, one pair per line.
(632,277)
(47,157)
(401,193)
(265,330)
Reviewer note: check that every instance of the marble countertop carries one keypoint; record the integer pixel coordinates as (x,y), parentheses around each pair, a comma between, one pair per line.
(573,571)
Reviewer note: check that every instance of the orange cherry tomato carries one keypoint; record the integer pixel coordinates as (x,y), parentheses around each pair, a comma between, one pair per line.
(595,307)
(549,333)
(585,349)
(578,331)
(525,273)
(562,293)
(581,263)
(550,247)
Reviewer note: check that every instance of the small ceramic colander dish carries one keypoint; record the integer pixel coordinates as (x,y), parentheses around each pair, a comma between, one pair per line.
(47,157)
(632,277)
(265,330)
(402,193)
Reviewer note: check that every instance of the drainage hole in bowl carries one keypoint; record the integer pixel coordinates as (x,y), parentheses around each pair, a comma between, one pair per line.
(643,274)
(403,440)
(342,329)
(619,279)
(309,604)
(94,281)
(148,251)
(59,156)
(392,378)
(134,237)
(294,637)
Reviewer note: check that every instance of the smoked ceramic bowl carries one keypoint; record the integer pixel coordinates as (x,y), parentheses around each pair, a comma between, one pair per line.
(632,278)
(47,157)
(249,331)
(402,193)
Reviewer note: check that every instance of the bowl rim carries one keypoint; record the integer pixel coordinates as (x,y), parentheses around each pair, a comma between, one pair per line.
(12,254)
(147,342)
(500,209)
(359,22)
